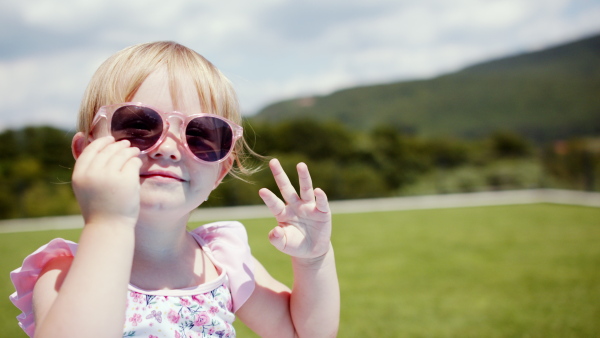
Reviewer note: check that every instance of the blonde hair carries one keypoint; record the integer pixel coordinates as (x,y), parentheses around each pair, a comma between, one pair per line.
(121,75)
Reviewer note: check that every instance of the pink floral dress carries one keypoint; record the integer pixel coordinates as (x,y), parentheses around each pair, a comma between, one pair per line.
(199,312)
(206,310)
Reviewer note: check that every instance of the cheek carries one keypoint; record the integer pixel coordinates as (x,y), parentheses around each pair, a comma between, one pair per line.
(203,175)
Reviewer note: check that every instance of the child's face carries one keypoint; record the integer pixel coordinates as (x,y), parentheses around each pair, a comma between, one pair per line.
(170,178)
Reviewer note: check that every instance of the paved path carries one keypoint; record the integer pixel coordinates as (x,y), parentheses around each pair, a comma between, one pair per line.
(348,206)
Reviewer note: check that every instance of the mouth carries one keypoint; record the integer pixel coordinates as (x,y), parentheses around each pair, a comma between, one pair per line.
(162,175)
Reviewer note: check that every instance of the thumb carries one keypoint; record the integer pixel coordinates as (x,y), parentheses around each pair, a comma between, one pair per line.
(277,238)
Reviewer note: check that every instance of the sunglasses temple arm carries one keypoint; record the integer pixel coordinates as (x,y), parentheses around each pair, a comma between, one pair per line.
(99,116)
(239,131)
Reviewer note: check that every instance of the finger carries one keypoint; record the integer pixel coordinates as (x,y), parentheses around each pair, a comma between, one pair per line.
(283,182)
(133,164)
(103,159)
(273,203)
(278,239)
(91,150)
(118,160)
(321,200)
(306,188)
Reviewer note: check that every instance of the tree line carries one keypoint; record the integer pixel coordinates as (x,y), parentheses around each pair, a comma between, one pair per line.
(36,164)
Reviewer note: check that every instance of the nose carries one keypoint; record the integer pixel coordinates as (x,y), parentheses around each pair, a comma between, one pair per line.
(171,147)
(167,149)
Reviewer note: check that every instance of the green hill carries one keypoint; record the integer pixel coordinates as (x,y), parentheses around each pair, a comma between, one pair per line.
(544,95)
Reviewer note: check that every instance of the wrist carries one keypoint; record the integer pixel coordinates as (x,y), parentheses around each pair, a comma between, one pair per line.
(315,262)
(108,234)
(117,222)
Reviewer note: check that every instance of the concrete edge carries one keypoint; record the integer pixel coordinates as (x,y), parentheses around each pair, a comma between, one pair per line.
(568,197)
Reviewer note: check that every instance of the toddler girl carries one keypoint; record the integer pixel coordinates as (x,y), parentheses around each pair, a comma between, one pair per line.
(158,131)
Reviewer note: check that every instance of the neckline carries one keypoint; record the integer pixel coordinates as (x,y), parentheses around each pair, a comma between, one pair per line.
(192,290)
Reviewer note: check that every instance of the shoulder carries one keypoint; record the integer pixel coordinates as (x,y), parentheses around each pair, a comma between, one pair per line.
(25,276)
(227,242)
(219,231)
(55,257)
(271,299)
(49,283)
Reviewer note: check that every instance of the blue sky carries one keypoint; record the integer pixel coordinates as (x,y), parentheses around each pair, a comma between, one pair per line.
(270,49)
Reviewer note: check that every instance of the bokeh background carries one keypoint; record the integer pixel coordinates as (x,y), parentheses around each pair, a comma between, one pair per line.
(381,98)
(270,49)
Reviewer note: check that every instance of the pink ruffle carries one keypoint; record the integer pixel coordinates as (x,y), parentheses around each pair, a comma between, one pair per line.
(25,277)
(228,243)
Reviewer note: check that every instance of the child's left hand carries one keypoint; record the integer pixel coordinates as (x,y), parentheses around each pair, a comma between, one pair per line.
(304,220)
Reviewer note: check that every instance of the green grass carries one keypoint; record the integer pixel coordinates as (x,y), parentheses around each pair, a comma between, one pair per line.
(506,271)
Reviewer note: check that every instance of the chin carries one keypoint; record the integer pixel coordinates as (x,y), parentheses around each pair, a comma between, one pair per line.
(178,207)
(171,199)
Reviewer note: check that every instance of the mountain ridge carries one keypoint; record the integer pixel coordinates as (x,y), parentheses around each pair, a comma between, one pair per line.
(544,95)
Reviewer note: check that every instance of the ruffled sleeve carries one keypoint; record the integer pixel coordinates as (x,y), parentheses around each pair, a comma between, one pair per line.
(228,243)
(25,277)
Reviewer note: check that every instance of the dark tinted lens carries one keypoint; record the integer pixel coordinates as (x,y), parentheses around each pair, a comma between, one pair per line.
(140,125)
(209,138)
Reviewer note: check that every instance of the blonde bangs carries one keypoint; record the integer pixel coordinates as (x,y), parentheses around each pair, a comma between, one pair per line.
(215,93)
(120,76)
(116,80)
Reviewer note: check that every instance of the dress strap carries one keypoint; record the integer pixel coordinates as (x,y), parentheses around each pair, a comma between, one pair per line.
(228,243)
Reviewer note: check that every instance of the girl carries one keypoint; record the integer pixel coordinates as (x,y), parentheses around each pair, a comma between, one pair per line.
(158,131)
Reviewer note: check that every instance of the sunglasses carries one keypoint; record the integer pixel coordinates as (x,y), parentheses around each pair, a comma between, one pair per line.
(209,138)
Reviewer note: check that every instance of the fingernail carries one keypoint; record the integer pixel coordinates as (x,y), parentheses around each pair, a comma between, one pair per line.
(275,233)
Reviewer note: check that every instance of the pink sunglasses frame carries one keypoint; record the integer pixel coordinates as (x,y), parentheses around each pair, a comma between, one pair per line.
(106,112)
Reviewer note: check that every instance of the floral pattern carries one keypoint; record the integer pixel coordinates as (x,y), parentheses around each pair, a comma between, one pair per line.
(200,315)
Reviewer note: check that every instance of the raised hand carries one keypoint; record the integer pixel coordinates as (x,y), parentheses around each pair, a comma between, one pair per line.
(304,221)
(106,181)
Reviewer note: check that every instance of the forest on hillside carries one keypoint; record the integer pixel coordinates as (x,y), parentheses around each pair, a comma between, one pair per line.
(526,121)
(36,164)
(545,95)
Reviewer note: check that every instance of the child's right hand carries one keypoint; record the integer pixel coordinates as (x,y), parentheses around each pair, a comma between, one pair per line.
(106,182)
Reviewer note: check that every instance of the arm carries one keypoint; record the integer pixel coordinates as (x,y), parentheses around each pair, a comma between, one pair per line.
(311,308)
(84,296)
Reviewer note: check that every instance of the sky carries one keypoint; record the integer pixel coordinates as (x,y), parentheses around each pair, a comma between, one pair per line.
(270,49)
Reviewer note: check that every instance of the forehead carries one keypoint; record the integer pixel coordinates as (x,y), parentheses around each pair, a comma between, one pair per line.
(168,93)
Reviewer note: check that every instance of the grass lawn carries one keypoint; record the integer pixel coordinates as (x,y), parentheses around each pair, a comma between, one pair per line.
(506,271)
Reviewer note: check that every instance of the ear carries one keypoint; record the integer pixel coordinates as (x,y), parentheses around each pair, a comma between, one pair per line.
(78,143)
(224,168)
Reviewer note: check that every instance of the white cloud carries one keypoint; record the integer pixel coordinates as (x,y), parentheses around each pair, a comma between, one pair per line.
(487,15)
(40,91)
(271,49)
